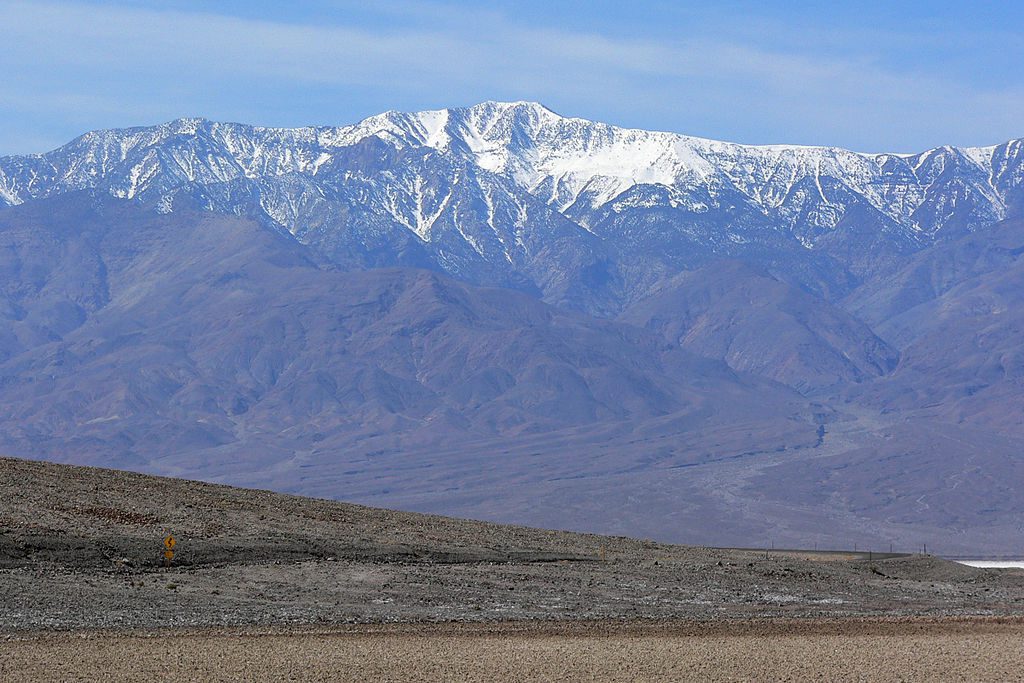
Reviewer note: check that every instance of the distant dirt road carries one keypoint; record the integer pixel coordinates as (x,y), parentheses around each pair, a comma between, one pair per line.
(908,650)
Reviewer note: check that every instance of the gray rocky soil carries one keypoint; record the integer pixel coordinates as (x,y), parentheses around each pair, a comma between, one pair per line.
(81,548)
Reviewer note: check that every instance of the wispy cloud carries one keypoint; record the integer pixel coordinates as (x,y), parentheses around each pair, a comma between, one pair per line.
(84,64)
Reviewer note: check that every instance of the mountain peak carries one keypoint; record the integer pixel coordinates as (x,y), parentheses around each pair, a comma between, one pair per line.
(517,106)
(584,172)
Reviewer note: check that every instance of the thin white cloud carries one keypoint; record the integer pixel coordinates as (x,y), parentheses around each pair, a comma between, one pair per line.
(168,63)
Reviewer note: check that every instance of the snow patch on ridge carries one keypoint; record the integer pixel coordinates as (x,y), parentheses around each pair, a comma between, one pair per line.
(574,166)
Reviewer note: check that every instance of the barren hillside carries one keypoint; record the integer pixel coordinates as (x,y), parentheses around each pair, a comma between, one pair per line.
(81,547)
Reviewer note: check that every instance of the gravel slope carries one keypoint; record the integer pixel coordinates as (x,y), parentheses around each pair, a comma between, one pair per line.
(80,548)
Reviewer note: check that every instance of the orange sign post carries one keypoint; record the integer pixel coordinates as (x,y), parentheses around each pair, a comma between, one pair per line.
(169,544)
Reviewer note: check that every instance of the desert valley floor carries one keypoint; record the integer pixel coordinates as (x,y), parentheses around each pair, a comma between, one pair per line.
(326,585)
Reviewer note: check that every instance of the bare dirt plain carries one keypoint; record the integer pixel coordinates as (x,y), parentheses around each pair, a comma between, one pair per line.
(872,650)
(266,586)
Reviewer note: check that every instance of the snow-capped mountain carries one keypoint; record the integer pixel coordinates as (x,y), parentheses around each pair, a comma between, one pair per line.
(823,334)
(513,194)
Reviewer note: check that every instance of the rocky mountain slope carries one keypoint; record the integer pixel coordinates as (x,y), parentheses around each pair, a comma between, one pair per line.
(191,342)
(757,323)
(956,311)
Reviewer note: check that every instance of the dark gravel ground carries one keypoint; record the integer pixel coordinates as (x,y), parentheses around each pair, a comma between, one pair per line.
(80,548)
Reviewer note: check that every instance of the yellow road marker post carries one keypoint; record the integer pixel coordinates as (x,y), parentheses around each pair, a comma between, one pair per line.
(169,543)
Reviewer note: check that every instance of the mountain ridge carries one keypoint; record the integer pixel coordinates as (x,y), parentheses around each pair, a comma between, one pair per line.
(483,192)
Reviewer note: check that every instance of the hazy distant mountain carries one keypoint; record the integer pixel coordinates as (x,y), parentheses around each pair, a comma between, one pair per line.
(756,323)
(187,333)
(957,310)
(503,313)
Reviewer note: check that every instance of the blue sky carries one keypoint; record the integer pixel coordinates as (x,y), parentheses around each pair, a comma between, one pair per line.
(872,76)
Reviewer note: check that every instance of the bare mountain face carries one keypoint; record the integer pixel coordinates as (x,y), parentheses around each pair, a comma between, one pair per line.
(756,323)
(499,312)
(200,343)
(957,310)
